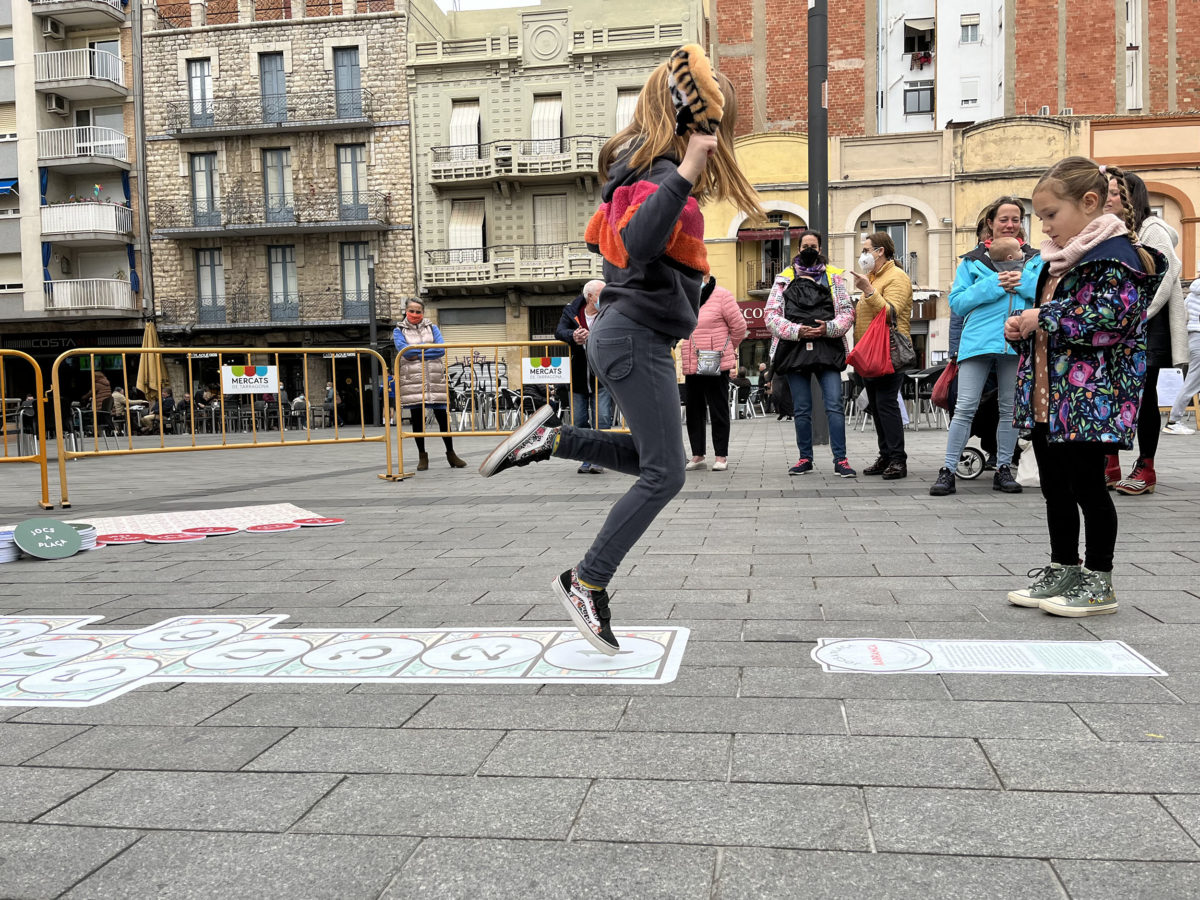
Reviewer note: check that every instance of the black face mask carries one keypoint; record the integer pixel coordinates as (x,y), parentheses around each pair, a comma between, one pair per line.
(809,257)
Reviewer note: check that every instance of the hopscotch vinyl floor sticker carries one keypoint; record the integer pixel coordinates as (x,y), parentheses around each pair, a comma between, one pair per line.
(50,661)
(931,657)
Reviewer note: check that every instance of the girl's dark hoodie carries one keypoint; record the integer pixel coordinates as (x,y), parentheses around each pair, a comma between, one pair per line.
(651,234)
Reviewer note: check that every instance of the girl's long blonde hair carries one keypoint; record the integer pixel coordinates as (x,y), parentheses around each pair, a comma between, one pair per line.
(1074,176)
(651,134)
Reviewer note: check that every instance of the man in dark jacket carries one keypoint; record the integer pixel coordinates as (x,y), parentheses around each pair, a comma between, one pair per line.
(573,329)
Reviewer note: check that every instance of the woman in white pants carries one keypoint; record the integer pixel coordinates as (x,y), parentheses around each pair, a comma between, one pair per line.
(1191,384)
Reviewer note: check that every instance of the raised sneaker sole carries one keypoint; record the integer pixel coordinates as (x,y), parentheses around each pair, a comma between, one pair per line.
(488,467)
(1077,612)
(580,623)
(1018,599)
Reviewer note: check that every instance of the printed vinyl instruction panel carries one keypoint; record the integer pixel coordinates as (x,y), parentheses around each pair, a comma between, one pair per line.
(49,661)
(933,657)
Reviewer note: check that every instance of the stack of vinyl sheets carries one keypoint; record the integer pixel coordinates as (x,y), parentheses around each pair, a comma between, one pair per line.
(87,535)
(8,548)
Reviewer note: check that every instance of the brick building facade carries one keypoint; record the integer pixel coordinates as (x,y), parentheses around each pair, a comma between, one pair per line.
(279,170)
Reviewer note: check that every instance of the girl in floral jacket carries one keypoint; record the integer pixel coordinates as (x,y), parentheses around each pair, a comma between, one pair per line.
(1080,376)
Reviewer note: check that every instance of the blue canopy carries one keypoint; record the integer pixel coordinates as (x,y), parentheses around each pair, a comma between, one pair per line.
(8,186)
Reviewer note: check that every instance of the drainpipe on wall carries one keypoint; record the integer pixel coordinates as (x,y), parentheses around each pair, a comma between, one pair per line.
(140,168)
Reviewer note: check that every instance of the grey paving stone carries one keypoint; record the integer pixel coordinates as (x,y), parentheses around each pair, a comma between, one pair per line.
(778,682)
(747,610)
(195,866)
(729,715)
(751,874)
(950,718)
(29,792)
(729,814)
(775,630)
(467,870)
(862,616)
(21,742)
(147,708)
(167,747)
(553,713)
(599,754)
(1011,823)
(820,759)
(449,806)
(1071,766)
(337,711)
(1141,721)
(39,862)
(734,653)
(197,801)
(1101,880)
(1057,688)
(701,681)
(378,751)
(1185,809)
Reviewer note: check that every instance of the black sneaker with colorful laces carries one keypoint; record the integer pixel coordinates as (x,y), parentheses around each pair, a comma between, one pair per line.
(588,609)
(532,442)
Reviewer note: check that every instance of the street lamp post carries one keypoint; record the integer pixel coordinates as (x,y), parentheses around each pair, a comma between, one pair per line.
(373,335)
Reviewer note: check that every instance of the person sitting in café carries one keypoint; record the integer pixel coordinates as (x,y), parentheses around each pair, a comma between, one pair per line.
(101,392)
(163,410)
(119,403)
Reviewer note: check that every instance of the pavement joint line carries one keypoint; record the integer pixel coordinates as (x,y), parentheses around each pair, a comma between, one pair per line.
(105,861)
(569,839)
(1057,878)
(991,765)
(304,815)
(420,842)
(1175,819)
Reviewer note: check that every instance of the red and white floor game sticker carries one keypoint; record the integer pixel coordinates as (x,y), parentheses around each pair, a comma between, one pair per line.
(212,530)
(121,538)
(319,522)
(176,537)
(274,526)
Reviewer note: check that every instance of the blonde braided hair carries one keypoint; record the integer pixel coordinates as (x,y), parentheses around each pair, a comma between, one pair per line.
(1076,175)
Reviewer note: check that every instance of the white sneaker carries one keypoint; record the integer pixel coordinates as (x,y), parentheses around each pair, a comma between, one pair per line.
(1178,428)
(696,462)
(720,465)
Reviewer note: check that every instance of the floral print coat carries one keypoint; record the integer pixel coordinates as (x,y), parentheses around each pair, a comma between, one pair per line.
(1097,346)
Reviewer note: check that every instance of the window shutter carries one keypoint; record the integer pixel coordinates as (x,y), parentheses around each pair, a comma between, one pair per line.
(970,19)
(550,220)
(465,231)
(464,129)
(8,119)
(626,104)
(546,125)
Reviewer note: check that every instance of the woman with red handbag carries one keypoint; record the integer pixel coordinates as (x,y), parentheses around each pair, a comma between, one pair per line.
(884,285)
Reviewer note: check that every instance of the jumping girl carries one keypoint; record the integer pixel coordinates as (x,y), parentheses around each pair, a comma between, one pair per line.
(1080,376)
(675,154)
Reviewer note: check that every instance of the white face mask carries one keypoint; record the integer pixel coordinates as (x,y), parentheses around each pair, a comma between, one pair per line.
(866,261)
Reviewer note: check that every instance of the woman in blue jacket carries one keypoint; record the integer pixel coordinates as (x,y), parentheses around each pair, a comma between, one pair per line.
(985,298)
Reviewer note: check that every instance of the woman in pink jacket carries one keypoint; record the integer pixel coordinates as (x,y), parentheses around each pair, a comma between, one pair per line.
(719,327)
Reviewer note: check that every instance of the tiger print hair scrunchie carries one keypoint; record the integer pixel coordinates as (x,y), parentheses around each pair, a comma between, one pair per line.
(699,103)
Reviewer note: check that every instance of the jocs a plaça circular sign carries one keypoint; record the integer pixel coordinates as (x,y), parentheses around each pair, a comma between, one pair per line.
(47,538)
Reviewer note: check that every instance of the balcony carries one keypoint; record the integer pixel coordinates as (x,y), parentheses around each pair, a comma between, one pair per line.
(81,13)
(301,213)
(87,224)
(91,295)
(84,149)
(328,306)
(253,114)
(80,74)
(523,160)
(537,268)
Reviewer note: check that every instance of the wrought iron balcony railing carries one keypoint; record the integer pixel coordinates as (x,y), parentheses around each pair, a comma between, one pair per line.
(305,211)
(271,111)
(510,263)
(516,158)
(328,304)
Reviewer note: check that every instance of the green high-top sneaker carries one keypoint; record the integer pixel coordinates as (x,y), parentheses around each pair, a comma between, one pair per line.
(1050,581)
(1091,595)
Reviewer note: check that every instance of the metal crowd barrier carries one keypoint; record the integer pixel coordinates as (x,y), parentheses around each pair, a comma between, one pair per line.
(187,430)
(486,394)
(28,423)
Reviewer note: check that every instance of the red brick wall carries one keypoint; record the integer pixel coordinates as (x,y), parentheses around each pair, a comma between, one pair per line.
(1091,60)
(1154,91)
(1035,80)
(848,45)
(787,65)
(784,98)
(1187,26)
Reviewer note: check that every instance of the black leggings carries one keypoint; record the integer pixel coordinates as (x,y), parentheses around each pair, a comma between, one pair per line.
(1072,477)
(1149,423)
(418,424)
(709,392)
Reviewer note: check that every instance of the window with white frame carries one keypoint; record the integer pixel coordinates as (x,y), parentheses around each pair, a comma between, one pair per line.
(1133,54)
(969,23)
(626,105)
(8,121)
(970,92)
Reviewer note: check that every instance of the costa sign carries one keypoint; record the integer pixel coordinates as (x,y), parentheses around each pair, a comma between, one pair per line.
(755,314)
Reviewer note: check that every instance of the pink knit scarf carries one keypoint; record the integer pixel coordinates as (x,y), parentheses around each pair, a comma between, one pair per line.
(1096,232)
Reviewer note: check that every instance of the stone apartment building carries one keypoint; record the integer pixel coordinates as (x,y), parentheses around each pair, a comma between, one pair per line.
(510,108)
(278,164)
(71,267)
